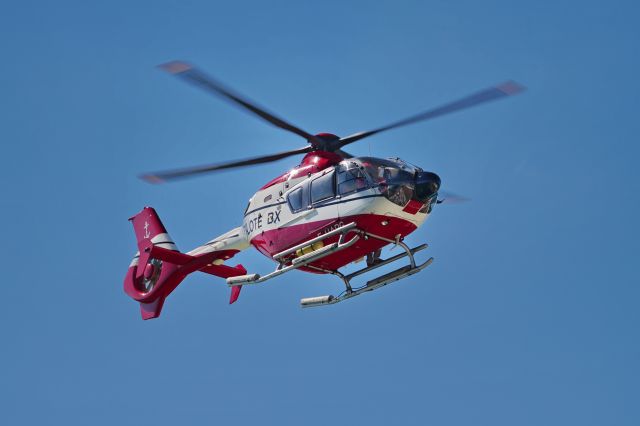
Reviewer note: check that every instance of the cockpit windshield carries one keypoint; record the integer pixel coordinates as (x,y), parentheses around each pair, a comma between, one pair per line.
(398,181)
(382,170)
(389,171)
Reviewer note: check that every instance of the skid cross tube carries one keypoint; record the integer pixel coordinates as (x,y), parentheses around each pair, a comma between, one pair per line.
(385,262)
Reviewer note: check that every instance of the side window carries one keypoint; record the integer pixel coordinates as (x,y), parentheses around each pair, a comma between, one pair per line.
(323,188)
(351,180)
(295,200)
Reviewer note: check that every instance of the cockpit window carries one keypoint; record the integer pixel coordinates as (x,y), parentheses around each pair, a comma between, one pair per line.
(394,178)
(295,200)
(391,171)
(352,180)
(399,194)
(323,188)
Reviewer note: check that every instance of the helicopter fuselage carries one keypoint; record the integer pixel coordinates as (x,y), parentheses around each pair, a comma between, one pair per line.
(326,192)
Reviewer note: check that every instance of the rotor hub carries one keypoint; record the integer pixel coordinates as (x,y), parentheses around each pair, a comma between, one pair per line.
(321,159)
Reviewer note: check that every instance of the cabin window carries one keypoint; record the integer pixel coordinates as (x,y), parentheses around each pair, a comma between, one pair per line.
(295,200)
(323,188)
(352,180)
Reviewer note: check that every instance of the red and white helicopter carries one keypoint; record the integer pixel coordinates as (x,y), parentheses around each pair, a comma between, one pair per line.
(331,210)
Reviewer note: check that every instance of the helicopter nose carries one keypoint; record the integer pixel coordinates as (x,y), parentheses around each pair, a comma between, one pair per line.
(427,185)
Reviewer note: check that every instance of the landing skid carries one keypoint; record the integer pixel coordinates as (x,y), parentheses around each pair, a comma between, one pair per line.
(286,265)
(375,283)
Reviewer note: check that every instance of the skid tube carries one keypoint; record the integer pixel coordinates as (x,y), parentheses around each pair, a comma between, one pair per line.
(376,283)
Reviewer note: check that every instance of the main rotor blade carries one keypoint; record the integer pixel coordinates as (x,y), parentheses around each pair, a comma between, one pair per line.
(505,89)
(344,154)
(160,177)
(196,77)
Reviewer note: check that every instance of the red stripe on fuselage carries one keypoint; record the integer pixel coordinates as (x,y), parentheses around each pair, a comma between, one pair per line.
(274,241)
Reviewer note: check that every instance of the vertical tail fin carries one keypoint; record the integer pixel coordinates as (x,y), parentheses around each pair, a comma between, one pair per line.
(158,267)
(149,280)
(150,232)
(148,227)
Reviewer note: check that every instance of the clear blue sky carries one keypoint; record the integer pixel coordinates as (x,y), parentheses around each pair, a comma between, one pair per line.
(528,316)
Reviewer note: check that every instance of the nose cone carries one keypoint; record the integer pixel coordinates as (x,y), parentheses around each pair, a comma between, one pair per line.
(427,185)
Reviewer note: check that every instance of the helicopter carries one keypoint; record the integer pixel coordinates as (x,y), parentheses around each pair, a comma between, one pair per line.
(331,210)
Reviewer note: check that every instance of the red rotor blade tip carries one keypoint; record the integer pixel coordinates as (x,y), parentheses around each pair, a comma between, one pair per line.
(175,67)
(154,179)
(511,88)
